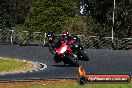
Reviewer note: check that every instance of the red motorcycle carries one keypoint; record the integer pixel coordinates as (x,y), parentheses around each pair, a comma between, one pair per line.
(77,49)
(65,53)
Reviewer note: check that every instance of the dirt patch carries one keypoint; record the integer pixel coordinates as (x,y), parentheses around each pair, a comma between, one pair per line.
(33,83)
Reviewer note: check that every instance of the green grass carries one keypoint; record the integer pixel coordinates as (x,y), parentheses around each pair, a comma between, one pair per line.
(75,85)
(8,65)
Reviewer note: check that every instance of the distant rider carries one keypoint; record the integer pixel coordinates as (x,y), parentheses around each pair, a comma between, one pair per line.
(65,36)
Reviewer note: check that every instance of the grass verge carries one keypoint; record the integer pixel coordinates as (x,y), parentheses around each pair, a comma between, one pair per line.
(61,84)
(11,65)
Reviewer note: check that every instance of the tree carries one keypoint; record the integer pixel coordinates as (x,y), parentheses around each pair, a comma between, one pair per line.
(8,13)
(22,10)
(102,12)
(7,18)
(50,15)
(123,19)
(96,11)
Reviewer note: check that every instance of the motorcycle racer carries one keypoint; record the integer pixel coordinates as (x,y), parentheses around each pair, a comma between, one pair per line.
(72,41)
(66,37)
(51,37)
(52,41)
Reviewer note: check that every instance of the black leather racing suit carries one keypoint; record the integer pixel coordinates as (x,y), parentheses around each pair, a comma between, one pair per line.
(51,48)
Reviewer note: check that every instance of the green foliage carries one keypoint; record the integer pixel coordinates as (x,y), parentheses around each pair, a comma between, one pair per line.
(96,11)
(8,13)
(22,10)
(102,13)
(49,15)
(77,25)
(10,65)
(123,20)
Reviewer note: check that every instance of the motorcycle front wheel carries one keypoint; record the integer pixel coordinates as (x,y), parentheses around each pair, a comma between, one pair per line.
(72,60)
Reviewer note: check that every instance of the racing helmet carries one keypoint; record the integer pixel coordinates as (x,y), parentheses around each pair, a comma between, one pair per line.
(65,34)
(51,36)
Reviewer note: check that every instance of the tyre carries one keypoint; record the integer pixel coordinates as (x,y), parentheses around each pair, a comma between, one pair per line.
(82,55)
(72,60)
(57,59)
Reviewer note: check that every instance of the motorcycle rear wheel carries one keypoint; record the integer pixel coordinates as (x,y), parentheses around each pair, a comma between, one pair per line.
(82,55)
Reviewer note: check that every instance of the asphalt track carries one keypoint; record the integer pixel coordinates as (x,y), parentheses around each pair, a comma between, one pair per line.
(101,62)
